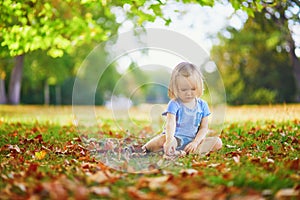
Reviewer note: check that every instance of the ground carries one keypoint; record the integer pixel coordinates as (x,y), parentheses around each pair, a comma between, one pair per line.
(44,155)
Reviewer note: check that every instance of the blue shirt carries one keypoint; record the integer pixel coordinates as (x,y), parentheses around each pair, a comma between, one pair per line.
(187,120)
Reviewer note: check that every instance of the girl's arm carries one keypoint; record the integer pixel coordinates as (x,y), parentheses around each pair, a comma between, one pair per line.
(203,129)
(170,131)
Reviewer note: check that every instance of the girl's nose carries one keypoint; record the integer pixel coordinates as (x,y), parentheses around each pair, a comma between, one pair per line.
(189,92)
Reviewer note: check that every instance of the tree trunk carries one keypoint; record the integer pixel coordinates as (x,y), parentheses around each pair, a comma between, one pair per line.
(46,93)
(296,66)
(282,23)
(14,89)
(3,99)
(57,95)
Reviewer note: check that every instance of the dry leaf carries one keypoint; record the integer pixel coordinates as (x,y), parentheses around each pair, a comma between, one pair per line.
(153,182)
(103,176)
(137,194)
(269,160)
(214,165)
(230,146)
(15,148)
(287,193)
(185,172)
(203,194)
(101,191)
(157,182)
(236,159)
(99,177)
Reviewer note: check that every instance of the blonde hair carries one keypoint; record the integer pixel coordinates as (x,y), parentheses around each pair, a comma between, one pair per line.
(186,70)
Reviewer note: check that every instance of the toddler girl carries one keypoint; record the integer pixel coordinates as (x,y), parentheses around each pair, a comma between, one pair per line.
(187,116)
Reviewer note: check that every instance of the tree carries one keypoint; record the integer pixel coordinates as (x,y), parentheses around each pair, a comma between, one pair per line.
(285,15)
(54,26)
(253,70)
(58,26)
(41,74)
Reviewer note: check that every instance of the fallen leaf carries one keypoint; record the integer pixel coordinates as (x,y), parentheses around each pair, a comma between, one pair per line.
(98,177)
(14,148)
(236,159)
(269,160)
(214,165)
(40,155)
(185,172)
(287,193)
(103,176)
(39,138)
(101,191)
(137,194)
(33,167)
(230,146)
(153,183)
(294,164)
(267,192)
(56,190)
(270,148)
(21,186)
(199,164)
(81,193)
(227,176)
(203,194)
(255,160)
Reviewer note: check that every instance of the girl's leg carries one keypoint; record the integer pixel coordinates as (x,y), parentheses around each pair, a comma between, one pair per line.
(155,144)
(209,144)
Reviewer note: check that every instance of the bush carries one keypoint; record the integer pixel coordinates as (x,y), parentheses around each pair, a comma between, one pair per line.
(264,96)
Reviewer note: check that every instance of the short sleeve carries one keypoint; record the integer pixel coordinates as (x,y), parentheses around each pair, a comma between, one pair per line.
(172,108)
(204,107)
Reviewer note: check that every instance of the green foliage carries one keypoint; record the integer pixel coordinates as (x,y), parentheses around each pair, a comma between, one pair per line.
(254,67)
(263,96)
(135,80)
(58,26)
(45,70)
(53,26)
(61,28)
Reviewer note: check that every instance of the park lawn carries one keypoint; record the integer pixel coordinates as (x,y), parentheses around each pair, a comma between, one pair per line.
(43,156)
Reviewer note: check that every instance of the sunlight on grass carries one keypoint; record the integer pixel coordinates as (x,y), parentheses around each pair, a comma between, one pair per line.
(63,115)
(35,113)
(254,113)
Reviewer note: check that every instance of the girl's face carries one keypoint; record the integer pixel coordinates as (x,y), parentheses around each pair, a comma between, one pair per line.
(186,88)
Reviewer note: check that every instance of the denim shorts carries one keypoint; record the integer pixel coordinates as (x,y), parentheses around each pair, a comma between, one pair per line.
(182,142)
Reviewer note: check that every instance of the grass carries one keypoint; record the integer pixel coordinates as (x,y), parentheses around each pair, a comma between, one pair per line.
(43,156)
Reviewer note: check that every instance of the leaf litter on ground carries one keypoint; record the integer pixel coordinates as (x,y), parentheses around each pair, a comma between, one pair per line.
(42,161)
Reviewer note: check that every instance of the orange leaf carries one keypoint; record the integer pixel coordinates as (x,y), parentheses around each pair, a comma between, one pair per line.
(153,183)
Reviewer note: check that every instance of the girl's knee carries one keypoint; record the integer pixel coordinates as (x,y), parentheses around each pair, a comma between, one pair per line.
(155,144)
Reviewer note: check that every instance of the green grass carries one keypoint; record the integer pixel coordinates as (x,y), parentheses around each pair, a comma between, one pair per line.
(43,156)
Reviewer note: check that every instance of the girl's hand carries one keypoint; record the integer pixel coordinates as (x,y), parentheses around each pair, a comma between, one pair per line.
(191,147)
(169,148)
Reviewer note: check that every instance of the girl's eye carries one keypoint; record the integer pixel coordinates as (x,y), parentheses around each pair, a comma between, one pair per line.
(184,90)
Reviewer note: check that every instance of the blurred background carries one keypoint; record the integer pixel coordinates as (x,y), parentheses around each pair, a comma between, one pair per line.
(255,44)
